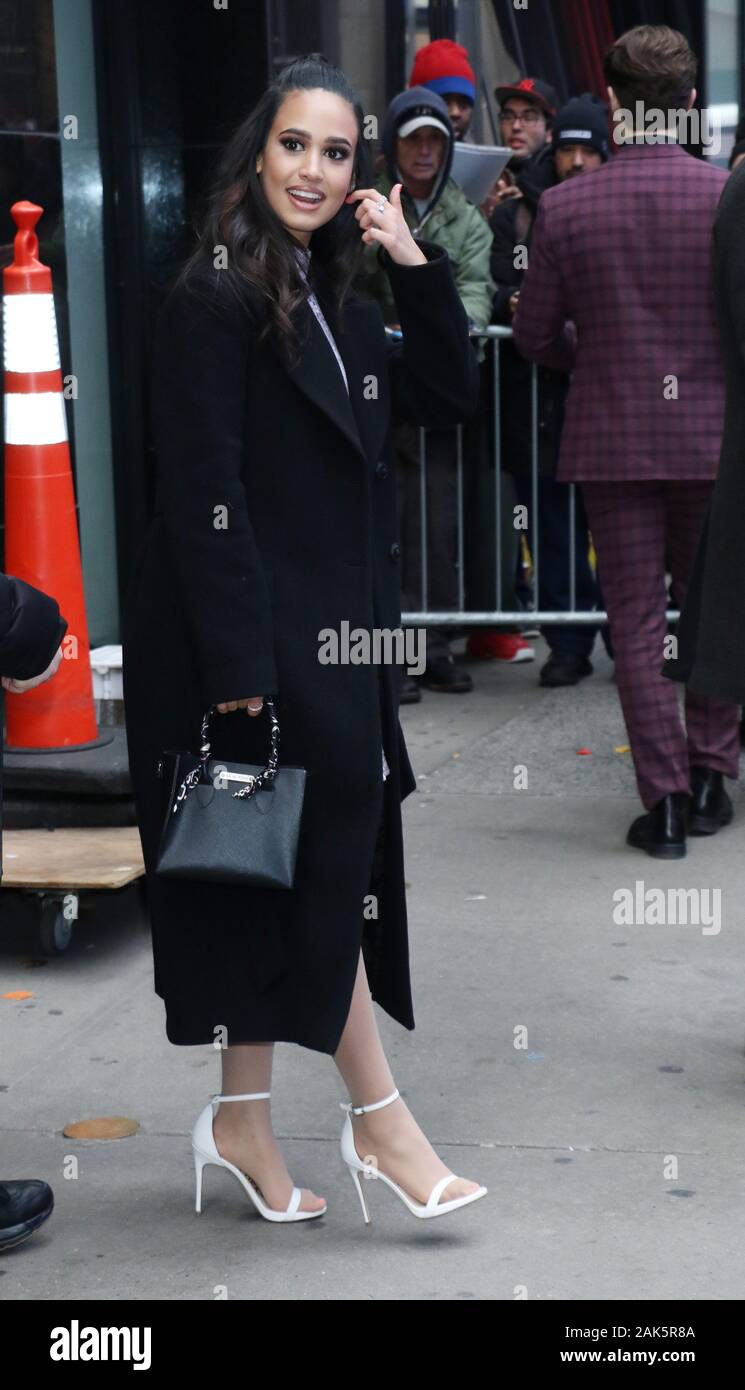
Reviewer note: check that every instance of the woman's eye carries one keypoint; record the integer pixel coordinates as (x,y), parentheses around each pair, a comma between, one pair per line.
(289,140)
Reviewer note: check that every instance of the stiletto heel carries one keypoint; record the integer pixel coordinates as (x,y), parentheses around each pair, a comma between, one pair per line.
(205,1151)
(199,1163)
(361,1195)
(423,1210)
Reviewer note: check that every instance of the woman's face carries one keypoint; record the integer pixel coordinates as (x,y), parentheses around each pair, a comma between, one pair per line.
(310,149)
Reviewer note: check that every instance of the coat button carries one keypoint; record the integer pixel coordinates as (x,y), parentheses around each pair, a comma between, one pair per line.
(381,469)
(395,551)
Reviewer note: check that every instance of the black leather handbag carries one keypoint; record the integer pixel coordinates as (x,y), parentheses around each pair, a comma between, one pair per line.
(206,836)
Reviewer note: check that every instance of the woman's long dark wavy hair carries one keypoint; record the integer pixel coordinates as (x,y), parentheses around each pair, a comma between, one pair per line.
(260,251)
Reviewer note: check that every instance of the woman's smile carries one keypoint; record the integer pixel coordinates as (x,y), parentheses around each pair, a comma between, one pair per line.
(306,198)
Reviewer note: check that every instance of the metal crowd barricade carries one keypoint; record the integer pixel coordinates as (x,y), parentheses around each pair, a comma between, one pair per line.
(495,335)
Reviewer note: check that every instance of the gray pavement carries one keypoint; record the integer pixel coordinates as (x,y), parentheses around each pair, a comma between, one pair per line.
(611,1141)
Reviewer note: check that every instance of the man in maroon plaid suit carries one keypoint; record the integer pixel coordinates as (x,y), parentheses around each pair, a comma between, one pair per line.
(619,292)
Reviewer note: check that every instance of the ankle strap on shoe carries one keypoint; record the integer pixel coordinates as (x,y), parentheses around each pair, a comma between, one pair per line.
(360,1109)
(253,1095)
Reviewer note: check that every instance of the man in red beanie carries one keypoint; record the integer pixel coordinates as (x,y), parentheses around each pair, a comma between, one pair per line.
(443,66)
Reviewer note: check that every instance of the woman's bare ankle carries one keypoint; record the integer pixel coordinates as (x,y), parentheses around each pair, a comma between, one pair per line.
(235,1128)
(394,1124)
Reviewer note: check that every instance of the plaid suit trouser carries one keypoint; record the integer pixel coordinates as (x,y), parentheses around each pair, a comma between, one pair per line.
(639,529)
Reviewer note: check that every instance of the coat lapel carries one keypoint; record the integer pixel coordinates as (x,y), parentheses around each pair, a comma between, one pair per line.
(317,373)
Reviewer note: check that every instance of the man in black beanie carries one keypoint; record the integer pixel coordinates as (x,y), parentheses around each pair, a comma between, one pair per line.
(581,136)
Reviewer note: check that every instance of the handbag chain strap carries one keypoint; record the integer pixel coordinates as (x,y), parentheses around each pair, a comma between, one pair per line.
(258,783)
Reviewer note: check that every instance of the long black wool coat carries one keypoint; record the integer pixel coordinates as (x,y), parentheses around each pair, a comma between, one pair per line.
(711,631)
(217,613)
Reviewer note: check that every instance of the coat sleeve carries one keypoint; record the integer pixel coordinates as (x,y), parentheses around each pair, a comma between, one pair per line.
(541,329)
(31,629)
(200,383)
(372,281)
(471,271)
(433,371)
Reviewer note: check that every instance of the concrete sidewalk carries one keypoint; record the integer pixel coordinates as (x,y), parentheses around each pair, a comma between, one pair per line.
(611,1141)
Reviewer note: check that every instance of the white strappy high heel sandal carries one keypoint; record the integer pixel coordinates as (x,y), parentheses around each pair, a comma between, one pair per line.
(433,1205)
(205,1151)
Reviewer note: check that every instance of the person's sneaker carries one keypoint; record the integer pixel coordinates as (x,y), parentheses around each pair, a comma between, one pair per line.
(499,646)
(565,668)
(410,692)
(443,675)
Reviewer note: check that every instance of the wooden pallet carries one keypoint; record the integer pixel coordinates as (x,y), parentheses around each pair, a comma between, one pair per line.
(108,857)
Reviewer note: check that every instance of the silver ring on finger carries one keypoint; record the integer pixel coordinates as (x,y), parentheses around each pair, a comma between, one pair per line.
(380,207)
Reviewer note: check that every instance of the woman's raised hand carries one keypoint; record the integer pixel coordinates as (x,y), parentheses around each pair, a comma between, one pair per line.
(383,221)
(253,705)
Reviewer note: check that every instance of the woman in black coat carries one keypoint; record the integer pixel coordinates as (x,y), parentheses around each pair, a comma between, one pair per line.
(276,520)
(711,631)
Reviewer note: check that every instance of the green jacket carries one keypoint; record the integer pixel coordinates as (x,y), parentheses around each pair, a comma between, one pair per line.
(461,228)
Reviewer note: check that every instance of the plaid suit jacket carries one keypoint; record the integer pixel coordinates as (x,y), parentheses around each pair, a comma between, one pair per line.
(619,292)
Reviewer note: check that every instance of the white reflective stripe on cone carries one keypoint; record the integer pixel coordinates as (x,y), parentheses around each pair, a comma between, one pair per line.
(35,418)
(30,332)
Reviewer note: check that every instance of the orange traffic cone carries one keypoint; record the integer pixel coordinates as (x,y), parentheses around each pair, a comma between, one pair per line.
(41,534)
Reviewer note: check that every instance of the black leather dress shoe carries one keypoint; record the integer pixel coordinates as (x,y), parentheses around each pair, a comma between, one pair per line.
(443,675)
(24,1204)
(662,832)
(410,692)
(565,668)
(710,807)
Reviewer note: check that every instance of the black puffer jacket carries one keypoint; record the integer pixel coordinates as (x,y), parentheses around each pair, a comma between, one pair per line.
(512,224)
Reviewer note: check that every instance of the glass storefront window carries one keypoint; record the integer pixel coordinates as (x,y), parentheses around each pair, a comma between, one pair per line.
(724,66)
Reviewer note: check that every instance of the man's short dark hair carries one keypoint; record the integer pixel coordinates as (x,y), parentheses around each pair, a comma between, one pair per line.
(652,64)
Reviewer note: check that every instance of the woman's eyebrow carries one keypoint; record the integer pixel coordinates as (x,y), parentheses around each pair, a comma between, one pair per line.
(330,139)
